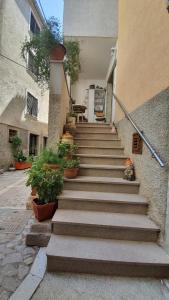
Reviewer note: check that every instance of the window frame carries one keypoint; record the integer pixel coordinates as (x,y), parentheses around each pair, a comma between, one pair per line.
(29,111)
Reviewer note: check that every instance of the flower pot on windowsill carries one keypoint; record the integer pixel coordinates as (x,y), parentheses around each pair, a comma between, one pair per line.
(22,165)
(44,211)
(58,52)
(71,173)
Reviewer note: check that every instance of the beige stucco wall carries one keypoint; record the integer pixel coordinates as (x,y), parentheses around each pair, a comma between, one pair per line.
(90,18)
(143,51)
(15,81)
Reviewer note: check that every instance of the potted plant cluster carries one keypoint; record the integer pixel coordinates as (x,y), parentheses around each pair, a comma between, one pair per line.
(49,184)
(67,151)
(71,168)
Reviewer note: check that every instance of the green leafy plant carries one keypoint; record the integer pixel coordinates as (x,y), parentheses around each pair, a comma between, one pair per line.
(40,45)
(65,149)
(16,145)
(51,157)
(72,60)
(72,163)
(49,185)
(20,157)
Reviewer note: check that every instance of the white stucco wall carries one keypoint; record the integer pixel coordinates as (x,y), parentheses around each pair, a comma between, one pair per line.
(15,81)
(90,18)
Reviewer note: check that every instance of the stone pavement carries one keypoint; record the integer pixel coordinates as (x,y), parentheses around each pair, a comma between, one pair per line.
(15,221)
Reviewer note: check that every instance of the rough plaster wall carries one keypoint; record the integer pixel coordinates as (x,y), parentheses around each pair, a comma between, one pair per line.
(90,18)
(15,81)
(153,119)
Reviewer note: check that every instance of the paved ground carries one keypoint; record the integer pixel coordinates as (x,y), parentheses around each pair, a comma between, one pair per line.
(15,221)
(90,287)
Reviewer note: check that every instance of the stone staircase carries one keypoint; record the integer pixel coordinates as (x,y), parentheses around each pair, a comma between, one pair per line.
(101,225)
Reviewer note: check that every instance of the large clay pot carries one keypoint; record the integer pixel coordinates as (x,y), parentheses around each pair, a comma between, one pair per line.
(58,52)
(22,165)
(44,211)
(67,138)
(71,173)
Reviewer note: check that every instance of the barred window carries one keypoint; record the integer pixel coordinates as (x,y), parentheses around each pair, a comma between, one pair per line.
(34,25)
(31,64)
(32,105)
(12,133)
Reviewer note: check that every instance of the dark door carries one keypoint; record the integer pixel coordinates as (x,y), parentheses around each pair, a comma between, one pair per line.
(33,142)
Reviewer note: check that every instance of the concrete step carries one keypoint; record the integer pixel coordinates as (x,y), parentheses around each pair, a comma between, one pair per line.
(102,184)
(105,225)
(110,202)
(95,125)
(106,257)
(95,135)
(101,170)
(98,129)
(100,150)
(98,143)
(94,159)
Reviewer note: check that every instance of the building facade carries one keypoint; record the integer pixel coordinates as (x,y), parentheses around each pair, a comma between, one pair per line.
(23,105)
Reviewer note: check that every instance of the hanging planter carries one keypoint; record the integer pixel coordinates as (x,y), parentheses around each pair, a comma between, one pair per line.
(58,52)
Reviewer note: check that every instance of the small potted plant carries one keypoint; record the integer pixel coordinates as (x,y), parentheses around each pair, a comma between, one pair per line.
(49,185)
(67,151)
(71,168)
(51,160)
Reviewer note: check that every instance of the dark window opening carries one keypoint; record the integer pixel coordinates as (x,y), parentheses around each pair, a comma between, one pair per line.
(45,140)
(31,64)
(34,25)
(12,133)
(33,143)
(32,105)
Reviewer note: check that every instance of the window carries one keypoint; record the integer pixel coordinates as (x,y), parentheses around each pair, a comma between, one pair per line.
(34,25)
(32,105)
(12,133)
(31,64)
(33,144)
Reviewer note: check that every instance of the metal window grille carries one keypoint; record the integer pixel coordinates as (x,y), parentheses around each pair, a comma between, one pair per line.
(12,133)
(32,105)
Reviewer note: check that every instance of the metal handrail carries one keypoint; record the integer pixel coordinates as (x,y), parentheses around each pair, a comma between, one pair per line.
(144,138)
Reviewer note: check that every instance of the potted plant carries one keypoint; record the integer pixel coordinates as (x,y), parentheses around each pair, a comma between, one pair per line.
(47,45)
(71,168)
(49,185)
(51,160)
(67,151)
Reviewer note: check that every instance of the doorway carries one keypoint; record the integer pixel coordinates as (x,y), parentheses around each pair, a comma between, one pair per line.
(33,144)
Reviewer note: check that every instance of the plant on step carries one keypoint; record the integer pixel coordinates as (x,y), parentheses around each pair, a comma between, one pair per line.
(67,150)
(49,185)
(71,168)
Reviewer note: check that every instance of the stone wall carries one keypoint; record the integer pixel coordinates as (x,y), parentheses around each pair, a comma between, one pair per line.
(153,119)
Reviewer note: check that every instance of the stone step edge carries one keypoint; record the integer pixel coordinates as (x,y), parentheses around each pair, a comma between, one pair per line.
(95,147)
(102,156)
(94,139)
(103,167)
(106,180)
(89,198)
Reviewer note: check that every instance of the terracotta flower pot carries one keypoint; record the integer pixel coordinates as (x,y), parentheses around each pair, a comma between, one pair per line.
(67,138)
(71,173)
(51,166)
(22,165)
(44,211)
(58,52)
